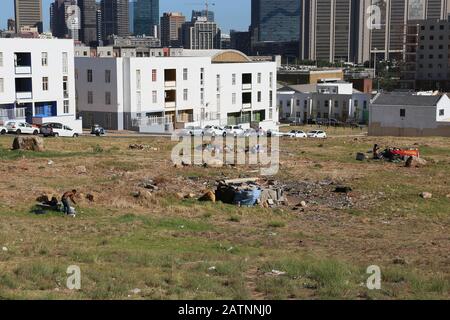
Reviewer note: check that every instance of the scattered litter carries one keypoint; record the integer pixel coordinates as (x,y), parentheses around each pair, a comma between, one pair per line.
(208,196)
(276,273)
(399,260)
(361,156)
(4,249)
(426,195)
(415,162)
(136,291)
(343,189)
(90,197)
(230,248)
(81,169)
(212,268)
(50,162)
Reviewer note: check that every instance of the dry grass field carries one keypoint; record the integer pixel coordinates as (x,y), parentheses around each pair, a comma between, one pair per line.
(131,238)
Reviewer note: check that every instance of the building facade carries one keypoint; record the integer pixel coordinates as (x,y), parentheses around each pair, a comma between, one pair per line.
(37,81)
(201,34)
(60,11)
(203,13)
(88,27)
(114,18)
(146,17)
(338,100)
(28,13)
(171,24)
(161,94)
(410,115)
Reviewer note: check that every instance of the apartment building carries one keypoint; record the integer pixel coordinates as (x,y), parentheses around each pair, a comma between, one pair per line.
(160,94)
(336,100)
(37,81)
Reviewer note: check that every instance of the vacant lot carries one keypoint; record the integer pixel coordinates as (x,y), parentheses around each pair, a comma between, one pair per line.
(133,238)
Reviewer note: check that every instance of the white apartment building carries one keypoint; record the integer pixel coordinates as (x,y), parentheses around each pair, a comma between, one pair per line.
(160,94)
(332,100)
(37,82)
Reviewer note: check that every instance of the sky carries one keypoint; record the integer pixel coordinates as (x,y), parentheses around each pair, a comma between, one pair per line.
(230,14)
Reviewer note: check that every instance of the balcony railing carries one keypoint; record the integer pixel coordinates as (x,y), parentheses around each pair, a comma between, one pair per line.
(246,106)
(170,84)
(24,95)
(170,104)
(246,86)
(23,69)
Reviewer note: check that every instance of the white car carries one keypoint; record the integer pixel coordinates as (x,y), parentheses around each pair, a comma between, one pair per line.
(214,131)
(56,129)
(297,134)
(235,131)
(275,133)
(317,134)
(3,130)
(191,131)
(20,127)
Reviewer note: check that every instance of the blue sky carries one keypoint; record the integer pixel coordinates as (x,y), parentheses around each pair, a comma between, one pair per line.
(230,14)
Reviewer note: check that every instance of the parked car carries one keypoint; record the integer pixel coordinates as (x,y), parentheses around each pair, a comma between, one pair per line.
(235,131)
(191,131)
(214,131)
(3,130)
(98,130)
(297,134)
(55,129)
(275,133)
(19,127)
(317,134)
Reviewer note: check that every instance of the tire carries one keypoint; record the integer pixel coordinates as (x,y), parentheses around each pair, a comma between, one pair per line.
(75,135)
(56,134)
(224,134)
(18,131)
(3,132)
(35,133)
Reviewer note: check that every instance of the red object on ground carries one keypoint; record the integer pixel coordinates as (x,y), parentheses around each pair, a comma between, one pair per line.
(407,152)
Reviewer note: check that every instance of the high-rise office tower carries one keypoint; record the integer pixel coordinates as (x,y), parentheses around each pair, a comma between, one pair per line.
(146,17)
(203,13)
(114,18)
(60,13)
(98,24)
(171,24)
(28,13)
(201,34)
(88,26)
(11,25)
(329,30)
(276,20)
(131,11)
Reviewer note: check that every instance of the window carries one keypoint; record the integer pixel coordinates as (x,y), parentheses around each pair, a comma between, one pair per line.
(89,75)
(1,59)
(270,98)
(107,97)
(233,98)
(154,96)
(65,63)
(297,103)
(218,102)
(138,101)
(2,85)
(107,76)
(202,76)
(402,113)
(356,103)
(259,77)
(138,79)
(270,113)
(44,83)
(233,79)
(66,106)
(44,59)
(336,104)
(202,96)
(65,87)
(185,94)
(270,79)
(259,96)
(90,97)
(185,74)
(154,75)
(218,82)
(441,111)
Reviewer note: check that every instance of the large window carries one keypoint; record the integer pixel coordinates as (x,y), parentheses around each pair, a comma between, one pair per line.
(185,94)
(155,97)
(441,111)
(154,75)
(2,85)
(65,87)
(233,98)
(233,79)
(65,63)
(185,74)
(402,113)
(89,75)
(66,106)
(138,79)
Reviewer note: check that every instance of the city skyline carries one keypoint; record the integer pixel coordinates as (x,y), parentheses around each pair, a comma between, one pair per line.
(226,15)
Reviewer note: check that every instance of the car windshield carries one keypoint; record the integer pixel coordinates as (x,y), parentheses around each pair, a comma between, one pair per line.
(313,132)
(10,123)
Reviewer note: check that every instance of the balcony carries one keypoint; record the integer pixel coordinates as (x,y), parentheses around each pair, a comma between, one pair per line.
(170,78)
(246,86)
(22,62)
(170,105)
(246,81)
(170,99)
(170,84)
(23,88)
(246,106)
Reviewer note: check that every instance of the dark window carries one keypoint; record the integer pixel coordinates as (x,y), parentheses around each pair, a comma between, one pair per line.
(402,113)
(441,112)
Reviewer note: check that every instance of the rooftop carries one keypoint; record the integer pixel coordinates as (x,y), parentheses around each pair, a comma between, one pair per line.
(406,99)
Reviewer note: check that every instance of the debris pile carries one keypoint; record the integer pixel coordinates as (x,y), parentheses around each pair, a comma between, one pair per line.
(28,143)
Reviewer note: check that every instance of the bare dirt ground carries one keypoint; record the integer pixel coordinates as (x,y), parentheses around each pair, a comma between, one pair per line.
(132,237)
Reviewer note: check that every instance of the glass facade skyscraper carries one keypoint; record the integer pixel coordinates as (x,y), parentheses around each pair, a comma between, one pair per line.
(276,20)
(146,17)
